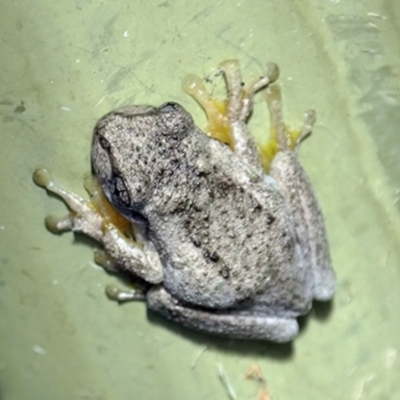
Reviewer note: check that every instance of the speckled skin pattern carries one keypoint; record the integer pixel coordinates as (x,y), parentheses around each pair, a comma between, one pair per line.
(225,235)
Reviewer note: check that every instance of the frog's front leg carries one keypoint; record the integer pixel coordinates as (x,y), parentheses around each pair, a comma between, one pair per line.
(232,324)
(239,107)
(139,259)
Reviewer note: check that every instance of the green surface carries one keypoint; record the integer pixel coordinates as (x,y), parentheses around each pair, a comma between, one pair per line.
(63,65)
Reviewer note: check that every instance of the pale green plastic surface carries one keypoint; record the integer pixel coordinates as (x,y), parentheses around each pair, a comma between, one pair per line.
(64,64)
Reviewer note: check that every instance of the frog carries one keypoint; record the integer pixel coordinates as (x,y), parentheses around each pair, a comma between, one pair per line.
(226,235)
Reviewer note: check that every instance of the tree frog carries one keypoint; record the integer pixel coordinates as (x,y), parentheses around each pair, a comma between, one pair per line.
(227,235)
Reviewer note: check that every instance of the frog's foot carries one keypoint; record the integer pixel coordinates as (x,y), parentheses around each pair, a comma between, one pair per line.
(282,138)
(227,120)
(83,216)
(222,323)
(96,219)
(240,98)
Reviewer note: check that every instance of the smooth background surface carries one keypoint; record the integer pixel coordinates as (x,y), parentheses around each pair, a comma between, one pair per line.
(63,65)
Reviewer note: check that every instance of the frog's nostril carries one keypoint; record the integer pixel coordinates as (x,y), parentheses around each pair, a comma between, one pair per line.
(104,143)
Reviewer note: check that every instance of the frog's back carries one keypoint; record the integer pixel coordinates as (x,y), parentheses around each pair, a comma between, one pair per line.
(225,235)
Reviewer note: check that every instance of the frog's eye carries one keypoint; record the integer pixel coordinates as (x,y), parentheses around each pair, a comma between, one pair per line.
(119,192)
(175,119)
(121,200)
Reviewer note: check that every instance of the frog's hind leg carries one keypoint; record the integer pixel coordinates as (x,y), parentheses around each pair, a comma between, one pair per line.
(223,323)
(227,121)
(296,185)
(240,106)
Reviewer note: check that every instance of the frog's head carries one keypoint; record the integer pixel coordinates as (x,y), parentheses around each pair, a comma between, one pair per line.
(131,149)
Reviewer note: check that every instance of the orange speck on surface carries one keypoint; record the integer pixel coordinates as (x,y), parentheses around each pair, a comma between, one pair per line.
(254,373)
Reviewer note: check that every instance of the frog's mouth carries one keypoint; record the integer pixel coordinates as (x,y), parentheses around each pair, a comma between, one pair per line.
(112,208)
(136,218)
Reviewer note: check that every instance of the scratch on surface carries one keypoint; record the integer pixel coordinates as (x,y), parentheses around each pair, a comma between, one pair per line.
(201,352)
(100,101)
(225,382)
(360,390)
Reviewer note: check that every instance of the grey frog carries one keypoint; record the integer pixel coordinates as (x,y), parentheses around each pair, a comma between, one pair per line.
(225,247)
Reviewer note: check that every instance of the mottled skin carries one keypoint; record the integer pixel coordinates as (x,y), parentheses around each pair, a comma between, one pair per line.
(201,203)
(226,248)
